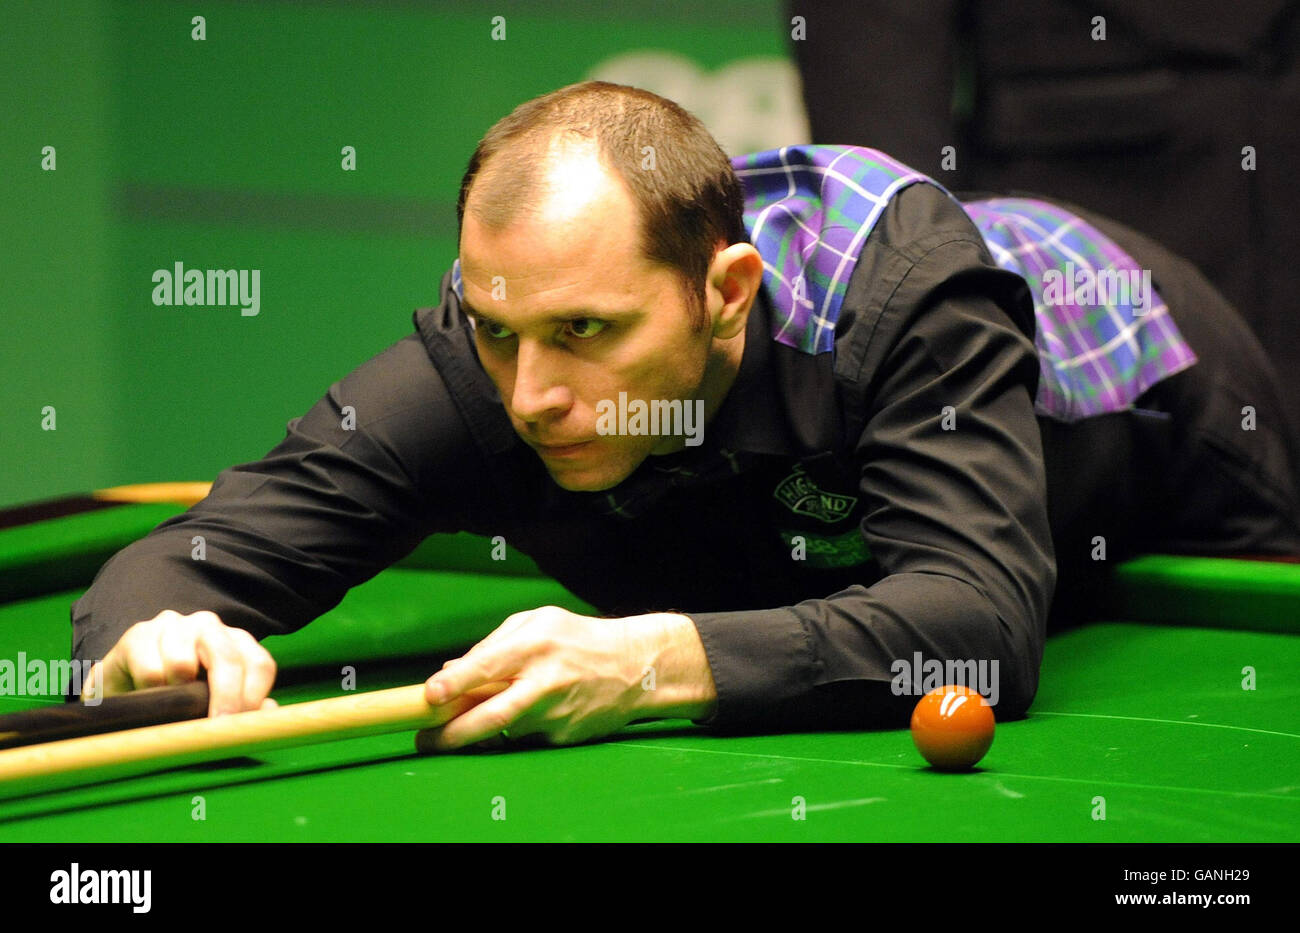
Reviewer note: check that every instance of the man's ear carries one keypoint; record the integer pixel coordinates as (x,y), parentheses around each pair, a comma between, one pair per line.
(735,276)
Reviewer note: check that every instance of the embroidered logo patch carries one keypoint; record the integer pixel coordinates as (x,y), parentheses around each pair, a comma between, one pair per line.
(801,495)
(823,553)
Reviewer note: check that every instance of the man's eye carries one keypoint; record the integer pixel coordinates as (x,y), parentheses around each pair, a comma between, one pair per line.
(585,327)
(495,331)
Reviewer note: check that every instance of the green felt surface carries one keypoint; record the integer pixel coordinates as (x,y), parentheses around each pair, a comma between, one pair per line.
(1154,722)
(64,553)
(1222,593)
(401,613)
(472,553)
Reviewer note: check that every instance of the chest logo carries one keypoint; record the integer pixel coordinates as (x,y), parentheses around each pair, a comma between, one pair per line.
(801,495)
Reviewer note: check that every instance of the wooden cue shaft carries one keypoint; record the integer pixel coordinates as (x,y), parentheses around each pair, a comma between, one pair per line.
(66,763)
(183,493)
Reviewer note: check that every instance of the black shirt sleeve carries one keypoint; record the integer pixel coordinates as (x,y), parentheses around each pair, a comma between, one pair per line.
(953,477)
(379,463)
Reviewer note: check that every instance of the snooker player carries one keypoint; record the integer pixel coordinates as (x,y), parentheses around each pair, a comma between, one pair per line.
(909,429)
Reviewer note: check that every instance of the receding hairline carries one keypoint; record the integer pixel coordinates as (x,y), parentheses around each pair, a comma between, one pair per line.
(487,199)
(687,208)
(531,176)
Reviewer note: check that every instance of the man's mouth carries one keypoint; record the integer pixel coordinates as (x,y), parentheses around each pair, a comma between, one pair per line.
(561,450)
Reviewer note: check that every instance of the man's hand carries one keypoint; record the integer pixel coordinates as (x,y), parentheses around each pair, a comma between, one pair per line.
(572,678)
(171,648)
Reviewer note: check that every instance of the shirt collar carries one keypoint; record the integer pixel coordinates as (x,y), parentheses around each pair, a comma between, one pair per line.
(750,418)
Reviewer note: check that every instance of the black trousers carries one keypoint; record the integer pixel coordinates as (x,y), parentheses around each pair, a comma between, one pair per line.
(1185,471)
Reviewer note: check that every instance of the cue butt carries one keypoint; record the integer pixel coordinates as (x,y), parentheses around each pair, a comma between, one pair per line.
(139,708)
(55,765)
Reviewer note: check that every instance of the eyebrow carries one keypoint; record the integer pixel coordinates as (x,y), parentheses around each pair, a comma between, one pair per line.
(559,317)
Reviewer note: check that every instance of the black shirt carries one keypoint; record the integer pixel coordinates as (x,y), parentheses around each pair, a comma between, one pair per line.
(905,470)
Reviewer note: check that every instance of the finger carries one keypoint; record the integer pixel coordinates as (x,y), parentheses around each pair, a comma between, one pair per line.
(426,740)
(176,646)
(269,703)
(92,686)
(483,664)
(470,698)
(109,677)
(466,674)
(225,668)
(488,718)
(139,661)
(259,667)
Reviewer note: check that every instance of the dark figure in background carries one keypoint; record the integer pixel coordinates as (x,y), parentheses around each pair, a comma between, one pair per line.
(1146,126)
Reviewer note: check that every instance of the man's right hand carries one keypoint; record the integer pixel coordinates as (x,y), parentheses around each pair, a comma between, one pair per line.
(172,648)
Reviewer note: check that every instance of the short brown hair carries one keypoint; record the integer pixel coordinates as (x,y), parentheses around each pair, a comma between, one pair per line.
(688,204)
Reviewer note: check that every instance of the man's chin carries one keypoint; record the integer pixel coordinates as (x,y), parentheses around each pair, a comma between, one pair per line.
(595,469)
(575,478)
(584,482)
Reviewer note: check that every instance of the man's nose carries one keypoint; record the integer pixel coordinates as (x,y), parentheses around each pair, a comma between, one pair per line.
(538,389)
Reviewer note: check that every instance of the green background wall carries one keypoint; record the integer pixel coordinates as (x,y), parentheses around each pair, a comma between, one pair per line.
(225,154)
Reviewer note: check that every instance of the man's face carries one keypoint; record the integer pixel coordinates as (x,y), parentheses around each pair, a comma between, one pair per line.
(570,314)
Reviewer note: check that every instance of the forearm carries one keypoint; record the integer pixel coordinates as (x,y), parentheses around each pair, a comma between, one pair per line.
(280,540)
(676,680)
(834,663)
(245,581)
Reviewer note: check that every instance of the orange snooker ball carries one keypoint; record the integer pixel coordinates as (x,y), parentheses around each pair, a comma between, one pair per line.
(952,727)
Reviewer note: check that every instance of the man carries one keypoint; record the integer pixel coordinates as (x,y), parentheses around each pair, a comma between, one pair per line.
(870,482)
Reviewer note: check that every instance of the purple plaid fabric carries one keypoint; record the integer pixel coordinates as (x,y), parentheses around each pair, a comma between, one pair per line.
(810,208)
(1104,335)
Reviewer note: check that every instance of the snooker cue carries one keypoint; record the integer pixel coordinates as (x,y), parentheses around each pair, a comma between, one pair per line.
(66,763)
(180,493)
(185,494)
(148,707)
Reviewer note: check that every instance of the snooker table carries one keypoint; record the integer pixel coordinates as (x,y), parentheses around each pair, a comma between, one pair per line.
(1144,713)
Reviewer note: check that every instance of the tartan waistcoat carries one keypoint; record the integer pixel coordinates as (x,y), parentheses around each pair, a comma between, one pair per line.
(1103,335)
